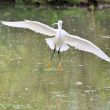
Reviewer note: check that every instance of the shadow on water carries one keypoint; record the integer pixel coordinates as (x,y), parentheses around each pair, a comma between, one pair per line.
(25,81)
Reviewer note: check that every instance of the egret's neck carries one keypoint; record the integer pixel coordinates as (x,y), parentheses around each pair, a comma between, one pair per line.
(59,26)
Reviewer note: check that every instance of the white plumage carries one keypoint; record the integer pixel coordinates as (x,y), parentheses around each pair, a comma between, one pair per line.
(62,39)
(32,25)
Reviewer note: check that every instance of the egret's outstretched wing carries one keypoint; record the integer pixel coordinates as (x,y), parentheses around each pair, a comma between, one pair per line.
(85,45)
(32,25)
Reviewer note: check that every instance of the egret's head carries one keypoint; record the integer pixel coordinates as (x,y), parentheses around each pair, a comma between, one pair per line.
(60,22)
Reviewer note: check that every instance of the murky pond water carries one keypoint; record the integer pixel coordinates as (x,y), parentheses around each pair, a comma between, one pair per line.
(25,81)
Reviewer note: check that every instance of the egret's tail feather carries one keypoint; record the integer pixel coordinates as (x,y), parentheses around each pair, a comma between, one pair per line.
(51,43)
(64,47)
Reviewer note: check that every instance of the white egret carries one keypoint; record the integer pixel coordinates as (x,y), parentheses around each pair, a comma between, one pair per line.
(62,40)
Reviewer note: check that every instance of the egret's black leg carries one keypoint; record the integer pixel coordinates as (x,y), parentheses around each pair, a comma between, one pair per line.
(49,64)
(59,54)
(53,53)
(59,65)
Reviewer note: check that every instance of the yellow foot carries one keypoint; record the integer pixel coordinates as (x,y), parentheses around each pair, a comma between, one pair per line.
(60,66)
(49,64)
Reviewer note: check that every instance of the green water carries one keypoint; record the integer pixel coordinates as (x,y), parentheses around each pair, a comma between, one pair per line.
(25,81)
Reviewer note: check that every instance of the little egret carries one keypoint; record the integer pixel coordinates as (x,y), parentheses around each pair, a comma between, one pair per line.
(62,40)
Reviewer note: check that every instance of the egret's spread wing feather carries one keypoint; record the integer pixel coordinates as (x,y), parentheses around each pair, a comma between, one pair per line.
(85,45)
(32,25)
(50,42)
